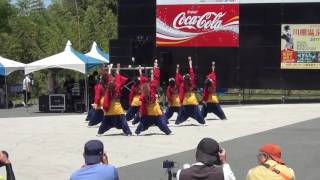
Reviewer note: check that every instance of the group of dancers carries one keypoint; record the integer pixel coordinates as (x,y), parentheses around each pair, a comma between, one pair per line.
(144,107)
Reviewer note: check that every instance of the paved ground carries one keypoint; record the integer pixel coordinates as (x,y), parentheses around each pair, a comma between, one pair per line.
(300,143)
(50,147)
(31,111)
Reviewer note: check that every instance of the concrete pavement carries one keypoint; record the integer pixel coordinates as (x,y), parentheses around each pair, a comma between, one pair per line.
(50,147)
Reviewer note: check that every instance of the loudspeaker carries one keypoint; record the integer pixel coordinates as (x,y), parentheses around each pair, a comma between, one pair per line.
(121,51)
(44,103)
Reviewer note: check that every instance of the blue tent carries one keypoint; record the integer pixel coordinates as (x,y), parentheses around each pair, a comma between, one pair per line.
(97,53)
(8,66)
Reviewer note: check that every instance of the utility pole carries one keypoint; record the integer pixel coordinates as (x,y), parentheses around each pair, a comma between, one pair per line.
(78,21)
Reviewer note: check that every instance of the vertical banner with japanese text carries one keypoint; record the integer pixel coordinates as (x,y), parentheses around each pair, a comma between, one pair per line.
(300,46)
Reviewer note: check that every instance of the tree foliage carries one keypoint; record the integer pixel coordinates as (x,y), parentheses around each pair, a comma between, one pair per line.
(29,31)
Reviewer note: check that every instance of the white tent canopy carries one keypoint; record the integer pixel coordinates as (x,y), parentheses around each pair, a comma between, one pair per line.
(97,53)
(8,66)
(68,59)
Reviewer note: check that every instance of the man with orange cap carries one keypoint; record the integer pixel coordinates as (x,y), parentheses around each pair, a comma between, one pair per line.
(271,166)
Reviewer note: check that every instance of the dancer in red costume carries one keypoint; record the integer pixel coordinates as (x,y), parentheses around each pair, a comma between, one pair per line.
(188,100)
(113,112)
(150,111)
(210,99)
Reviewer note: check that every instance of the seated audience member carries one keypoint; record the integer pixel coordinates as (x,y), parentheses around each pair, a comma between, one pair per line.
(4,161)
(211,163)
(96,164)
(271,166)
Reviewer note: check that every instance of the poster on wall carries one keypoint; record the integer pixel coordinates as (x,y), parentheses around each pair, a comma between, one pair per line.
(197,23)
(300,46)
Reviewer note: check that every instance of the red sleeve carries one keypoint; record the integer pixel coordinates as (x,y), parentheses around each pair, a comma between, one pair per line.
(153,86)
(110,77)
(106,101)
(179,79)
(212,76)
(205,94)
(132,93)
(181,93)
(143,107)
(156,74)
(169,94)
(192,75)
(119,82)
(156,81)
(98,93)
(143,79)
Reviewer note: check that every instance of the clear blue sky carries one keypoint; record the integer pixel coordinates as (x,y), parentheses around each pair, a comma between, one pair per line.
(46,2)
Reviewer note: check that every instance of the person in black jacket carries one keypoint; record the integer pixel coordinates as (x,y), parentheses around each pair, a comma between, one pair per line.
(4,161)
(211,163)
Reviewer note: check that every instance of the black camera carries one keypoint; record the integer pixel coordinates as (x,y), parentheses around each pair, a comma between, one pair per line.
(168,164)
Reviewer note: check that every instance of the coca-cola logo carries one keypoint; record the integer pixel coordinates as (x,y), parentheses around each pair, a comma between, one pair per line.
(207,21)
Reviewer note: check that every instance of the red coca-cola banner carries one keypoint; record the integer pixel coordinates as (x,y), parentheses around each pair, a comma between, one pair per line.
(211,25)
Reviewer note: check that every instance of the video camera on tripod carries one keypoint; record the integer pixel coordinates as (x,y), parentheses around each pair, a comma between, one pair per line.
(169,165)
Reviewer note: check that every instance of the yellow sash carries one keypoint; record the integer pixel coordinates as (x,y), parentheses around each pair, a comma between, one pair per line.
(136,101)
(213,98)
(115,108)
(154,109)
(175,101)
(190,99)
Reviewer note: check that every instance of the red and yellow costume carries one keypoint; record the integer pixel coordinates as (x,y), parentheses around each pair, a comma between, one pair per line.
(150,111)
(210,98)
(113,111)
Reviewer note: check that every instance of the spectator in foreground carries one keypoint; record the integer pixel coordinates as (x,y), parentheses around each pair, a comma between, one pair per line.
(211,163)
(271,166)
(4,161)
(96,164)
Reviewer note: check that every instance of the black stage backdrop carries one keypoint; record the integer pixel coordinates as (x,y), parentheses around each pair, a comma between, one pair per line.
(254,64)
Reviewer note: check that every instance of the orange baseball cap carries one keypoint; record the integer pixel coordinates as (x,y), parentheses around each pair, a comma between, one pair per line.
(274,151)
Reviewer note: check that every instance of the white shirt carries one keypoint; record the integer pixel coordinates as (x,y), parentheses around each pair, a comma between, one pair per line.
(26,83)
(227,172)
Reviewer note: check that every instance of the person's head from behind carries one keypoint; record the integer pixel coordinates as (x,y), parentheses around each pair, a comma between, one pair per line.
(208,82)
(269,152)
(208,152)
(172,82)
(145,89)
(4,156)
(95,73)
(187,79)
(93,152)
